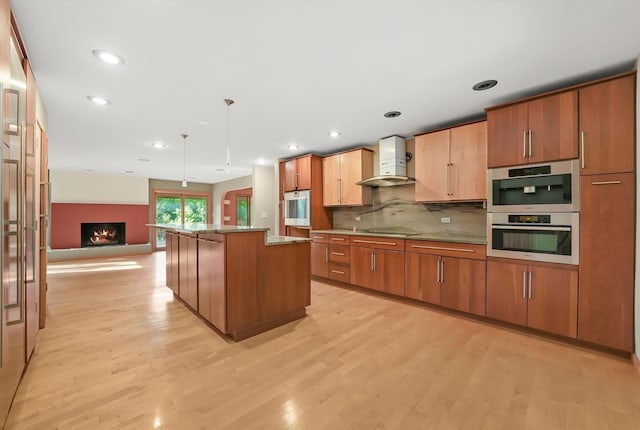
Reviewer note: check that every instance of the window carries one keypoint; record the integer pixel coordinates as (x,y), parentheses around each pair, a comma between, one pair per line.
(178,208)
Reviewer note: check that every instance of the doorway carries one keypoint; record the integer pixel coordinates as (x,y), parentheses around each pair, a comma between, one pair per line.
(236,207)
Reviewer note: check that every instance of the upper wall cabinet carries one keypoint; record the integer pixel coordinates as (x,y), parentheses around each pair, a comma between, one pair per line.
(607,132)
(297,174)
(340,174)
(451,164)
(539,130)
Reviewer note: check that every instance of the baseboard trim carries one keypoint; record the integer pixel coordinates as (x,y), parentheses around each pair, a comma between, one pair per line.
(636,362)
(102,251)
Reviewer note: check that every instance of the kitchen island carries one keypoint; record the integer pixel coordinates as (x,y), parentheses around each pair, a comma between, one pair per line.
(237,278)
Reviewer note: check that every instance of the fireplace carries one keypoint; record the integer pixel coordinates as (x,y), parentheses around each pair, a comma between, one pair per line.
(102,234)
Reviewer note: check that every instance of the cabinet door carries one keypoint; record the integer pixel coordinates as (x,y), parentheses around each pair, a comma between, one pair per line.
(188,261)
(422,277)
(290,173)
(319,259)
(362,267)
(212,300)
(330,180)
(463,285)
(506,135)
(553,124)
(167,250)
(354,166)
(468,162)
(303,173)
(506,292)
(607,119)
(553,300)
(388,268)
(432,167)
(605,310)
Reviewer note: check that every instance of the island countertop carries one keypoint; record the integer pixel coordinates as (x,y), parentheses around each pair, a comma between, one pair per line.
(202,229)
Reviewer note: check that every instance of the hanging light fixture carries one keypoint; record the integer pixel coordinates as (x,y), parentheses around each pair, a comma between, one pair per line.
(229,102)
(184,160)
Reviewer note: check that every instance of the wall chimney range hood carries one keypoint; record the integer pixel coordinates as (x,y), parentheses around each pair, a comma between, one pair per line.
(393,164)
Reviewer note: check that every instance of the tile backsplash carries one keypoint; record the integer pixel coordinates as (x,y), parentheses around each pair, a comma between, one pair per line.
(394,209)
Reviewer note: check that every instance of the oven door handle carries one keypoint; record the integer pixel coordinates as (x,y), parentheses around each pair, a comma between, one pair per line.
(518,227)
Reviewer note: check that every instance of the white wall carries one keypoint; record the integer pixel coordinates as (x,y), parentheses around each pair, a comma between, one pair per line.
(637,293)
(265,198)
(80,187)
(219,191)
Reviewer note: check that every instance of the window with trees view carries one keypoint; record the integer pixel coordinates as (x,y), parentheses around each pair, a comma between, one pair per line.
(178,209)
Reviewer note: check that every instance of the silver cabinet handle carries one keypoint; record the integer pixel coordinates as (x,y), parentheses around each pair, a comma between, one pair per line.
(371,263)
(337,253)
(442,248)
(438,272)
(530,285)
(326,254)
(530,134)
(337,238)
(317,237)
(582,148)
(374,261)
(442,271)
(373,242)
(524,144)
(448,179)
(606,183)
(339,182)
(524,285)
(337,271)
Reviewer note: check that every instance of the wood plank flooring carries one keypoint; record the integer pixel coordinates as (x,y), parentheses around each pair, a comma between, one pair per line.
(120,352)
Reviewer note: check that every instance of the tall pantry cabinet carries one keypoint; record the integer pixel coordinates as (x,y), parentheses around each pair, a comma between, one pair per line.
(23,214)
(607,212)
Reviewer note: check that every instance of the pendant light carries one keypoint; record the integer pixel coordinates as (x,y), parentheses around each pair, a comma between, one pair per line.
(229,102)
(184,160)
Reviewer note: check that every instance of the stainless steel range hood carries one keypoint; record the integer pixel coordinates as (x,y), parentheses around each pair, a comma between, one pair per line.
(393,164)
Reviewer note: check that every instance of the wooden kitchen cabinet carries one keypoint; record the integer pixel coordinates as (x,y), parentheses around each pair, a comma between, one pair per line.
(188,273)
(378,263)
(538,130)
(543,297)
(436,273)
(320,255)
(607,256)
(173,277)
(607,126)
(340,174)
(212,297)
(297,174)
(451,164)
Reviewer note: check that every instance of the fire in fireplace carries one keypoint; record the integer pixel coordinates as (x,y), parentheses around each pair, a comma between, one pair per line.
(102,234)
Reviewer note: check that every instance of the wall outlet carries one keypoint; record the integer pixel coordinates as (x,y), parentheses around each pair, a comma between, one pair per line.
(358,218)
(445,220)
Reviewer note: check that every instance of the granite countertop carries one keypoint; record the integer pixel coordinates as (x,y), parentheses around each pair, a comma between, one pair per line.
(436,237)
(201,228)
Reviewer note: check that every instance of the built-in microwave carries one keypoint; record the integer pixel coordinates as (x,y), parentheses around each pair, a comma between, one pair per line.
(550,237)
(545,187)
(297,208)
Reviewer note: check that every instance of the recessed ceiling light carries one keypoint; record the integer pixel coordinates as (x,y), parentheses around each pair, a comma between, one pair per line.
(158,145)
(485,85)
(192,178)
(293,146)
(129,171)
(392,114)
(144,160)
(203,122)
(220,169)
(107,57)
(99,100)
(334,134)
(88,170)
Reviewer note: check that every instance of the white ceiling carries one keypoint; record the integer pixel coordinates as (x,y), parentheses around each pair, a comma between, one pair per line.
(296,70)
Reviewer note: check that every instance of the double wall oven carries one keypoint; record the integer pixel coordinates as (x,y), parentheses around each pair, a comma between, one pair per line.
(533,212)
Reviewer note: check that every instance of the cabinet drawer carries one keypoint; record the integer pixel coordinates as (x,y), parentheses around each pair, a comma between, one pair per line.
(378,242)
(212,236)
(447,249)
(339,239)
(340,253)
(319,237)
(339,272)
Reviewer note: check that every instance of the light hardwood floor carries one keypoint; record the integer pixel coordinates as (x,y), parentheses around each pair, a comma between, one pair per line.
(120,352)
